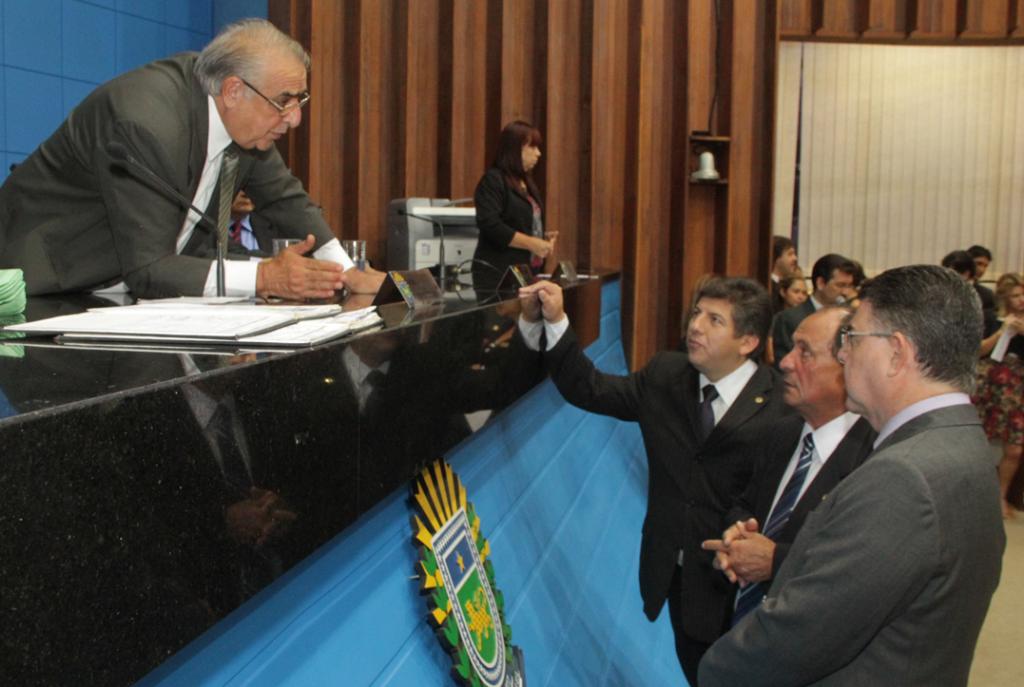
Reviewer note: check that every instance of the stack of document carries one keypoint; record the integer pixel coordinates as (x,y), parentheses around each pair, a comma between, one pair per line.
(179,321)
(12,292)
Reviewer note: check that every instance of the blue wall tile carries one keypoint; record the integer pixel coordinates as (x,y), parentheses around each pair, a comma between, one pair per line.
(138,41)
(38,99)
(149,9)
(180,40)
(83,43)
(74,92)
(32,35)
(88,33)
(227,11)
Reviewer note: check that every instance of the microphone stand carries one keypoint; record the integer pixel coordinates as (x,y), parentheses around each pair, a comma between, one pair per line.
(123,159)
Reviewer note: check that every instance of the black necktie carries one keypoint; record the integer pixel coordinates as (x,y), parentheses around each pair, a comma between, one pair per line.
(707,413)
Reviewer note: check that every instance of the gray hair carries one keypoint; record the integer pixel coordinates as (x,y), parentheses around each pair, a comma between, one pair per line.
(238,50)
(938,311)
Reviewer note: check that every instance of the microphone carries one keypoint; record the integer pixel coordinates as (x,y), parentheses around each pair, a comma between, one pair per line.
(123,159)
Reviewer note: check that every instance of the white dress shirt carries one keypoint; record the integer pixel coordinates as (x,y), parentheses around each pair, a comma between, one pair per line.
(826,439)
(239,275)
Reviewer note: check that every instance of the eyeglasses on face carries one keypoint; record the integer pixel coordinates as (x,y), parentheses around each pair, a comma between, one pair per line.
(293,103)
(847,335)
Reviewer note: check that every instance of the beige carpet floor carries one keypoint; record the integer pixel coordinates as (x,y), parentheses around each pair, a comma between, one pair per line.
(999,658)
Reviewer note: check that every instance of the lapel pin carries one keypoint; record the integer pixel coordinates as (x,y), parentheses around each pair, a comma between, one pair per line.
(759,399)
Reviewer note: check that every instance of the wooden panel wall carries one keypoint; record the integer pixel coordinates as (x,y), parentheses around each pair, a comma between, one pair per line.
(932,21)
(410,95)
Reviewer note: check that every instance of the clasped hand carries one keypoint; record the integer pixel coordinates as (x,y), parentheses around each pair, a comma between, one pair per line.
(542,299)
(743,554)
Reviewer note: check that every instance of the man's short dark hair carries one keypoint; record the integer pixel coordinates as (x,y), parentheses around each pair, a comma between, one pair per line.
(938,311)
(751,306)
(961,262)
(980,252)
(780,244)
(827,264)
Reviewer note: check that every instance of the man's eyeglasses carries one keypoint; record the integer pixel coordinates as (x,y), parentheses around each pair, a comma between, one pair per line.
(847,335)
(294,101)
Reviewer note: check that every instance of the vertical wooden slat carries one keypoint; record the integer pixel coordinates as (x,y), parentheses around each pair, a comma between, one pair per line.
(563,124)
(795,18)
(1016,20)
(935,19)
(839,19)
(885,19)
(985,19)
(469,95)
(422,98)
(517,61)
(603,247)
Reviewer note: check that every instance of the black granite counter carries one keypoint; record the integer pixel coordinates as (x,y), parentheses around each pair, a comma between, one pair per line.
(145,495)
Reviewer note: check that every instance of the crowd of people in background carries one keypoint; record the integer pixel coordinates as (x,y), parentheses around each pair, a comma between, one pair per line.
(999,390)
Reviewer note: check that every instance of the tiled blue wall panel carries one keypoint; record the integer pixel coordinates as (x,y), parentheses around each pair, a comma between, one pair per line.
(86,56)
(71,46)
(561,496)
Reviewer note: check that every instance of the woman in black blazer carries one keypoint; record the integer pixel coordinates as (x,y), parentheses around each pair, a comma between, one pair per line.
(509,210)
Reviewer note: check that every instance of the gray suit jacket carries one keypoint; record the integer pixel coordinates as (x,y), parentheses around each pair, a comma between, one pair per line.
(891,576)
(72,220)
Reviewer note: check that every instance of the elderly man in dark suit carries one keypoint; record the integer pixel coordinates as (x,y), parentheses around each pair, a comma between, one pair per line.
(808,455)
(75,218)
(891,576)
(702,414)
(833,278)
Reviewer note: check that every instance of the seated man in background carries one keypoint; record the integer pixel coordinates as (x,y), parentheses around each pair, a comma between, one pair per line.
(833,280)
(249,229)
(890,578)
(702,415)
(806,457)
(75,216)
(784,262)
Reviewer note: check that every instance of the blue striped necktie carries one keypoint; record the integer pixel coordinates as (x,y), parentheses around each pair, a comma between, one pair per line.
(748,598)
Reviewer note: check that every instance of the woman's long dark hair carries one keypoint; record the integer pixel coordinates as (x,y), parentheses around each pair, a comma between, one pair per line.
(509,158)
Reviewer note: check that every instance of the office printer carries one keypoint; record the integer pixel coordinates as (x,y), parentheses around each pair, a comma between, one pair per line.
(414,233)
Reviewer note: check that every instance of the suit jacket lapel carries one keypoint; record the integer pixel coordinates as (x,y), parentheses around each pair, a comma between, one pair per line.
(750,401)
(687,397)
(849,454)
(200,136)
(788,437)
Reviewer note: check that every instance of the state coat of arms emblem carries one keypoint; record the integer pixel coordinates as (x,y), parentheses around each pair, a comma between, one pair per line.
(456,575)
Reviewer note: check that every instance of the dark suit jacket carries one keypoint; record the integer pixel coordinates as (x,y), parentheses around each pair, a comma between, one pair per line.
(691,483)
(756,501)
(890,578)
(501,211)
(73,221)
(783,326)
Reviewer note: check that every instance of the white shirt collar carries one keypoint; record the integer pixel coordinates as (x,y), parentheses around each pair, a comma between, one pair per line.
(828,437)
(731,385)
(815,303)
(218,139)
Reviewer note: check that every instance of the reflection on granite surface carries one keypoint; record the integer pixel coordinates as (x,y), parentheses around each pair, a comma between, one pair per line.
(147,494)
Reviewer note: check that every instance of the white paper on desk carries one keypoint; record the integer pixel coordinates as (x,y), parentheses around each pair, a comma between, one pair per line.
(194,300)
(999,352)
(298,312)
(221,323)
(313,332)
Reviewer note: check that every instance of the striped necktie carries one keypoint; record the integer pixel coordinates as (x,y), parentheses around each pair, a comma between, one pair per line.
(748,598)
(226,182)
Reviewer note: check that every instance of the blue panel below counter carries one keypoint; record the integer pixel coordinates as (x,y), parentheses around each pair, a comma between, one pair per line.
(560,494)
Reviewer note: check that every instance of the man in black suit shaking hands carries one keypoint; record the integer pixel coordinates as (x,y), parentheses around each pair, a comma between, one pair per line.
(702,414)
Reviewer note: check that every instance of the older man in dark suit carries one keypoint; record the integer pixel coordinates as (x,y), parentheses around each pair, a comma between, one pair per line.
(702,414)
(74,218)
(891,576)
(807,457)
